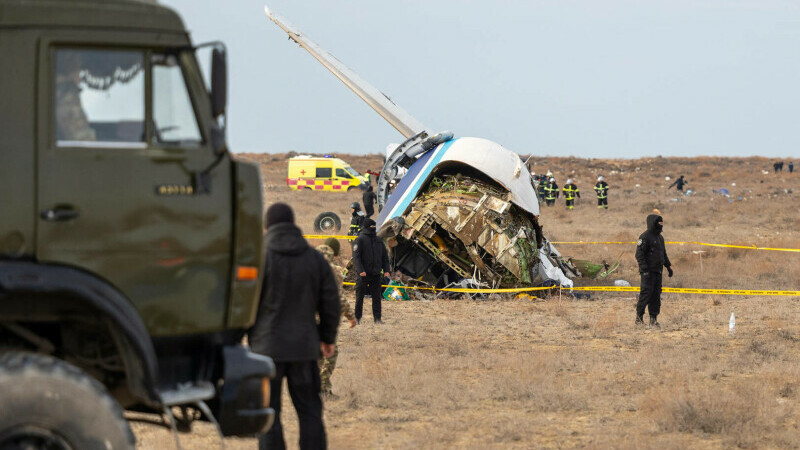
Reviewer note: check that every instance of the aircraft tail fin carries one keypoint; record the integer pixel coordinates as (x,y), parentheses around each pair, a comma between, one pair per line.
(401,120)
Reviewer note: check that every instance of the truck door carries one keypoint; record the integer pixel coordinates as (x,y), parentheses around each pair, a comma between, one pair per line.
(120,148)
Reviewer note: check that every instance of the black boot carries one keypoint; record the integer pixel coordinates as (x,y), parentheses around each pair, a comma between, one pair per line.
(654,322)
(639,319)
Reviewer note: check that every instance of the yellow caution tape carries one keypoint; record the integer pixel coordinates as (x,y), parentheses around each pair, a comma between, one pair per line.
(688,290)
(326,236)
(729,291)
(602,289)
(465,290)
(589,242)
(609,288)
(745,247)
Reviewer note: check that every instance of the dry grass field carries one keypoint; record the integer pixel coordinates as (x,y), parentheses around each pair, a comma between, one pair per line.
(565,373)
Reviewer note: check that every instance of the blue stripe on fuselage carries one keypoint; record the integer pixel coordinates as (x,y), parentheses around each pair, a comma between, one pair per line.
(412,182)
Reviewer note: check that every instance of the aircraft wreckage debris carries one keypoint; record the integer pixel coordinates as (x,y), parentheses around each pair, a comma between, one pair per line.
(471,227)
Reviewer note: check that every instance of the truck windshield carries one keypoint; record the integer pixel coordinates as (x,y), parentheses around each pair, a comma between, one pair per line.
(99,97)
(352,171)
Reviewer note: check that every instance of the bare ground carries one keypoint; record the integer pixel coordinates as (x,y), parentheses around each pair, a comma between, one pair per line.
(554,373)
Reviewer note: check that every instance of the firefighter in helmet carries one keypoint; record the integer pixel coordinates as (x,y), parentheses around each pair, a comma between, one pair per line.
(601,189)
(356,219)
(551,192)
(570,192)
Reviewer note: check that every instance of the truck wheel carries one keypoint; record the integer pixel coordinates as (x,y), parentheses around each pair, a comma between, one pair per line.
(52,405)
(327,222)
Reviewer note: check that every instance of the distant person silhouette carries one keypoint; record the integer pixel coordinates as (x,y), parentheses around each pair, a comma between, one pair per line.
(369,198)
(679,183)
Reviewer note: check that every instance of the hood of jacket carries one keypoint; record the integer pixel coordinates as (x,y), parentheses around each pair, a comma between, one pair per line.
(285,238)
(369,231)
(652,223)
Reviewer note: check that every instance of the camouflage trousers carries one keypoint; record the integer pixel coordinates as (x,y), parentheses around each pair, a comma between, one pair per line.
(326,366)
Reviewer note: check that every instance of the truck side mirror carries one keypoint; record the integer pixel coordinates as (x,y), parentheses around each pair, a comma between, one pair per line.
(219,82)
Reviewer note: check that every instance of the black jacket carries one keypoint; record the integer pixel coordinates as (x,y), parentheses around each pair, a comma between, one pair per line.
(678,183)
(368,199)
(356,222)
(298,285)
(651,254)
(551,191)
(369,253)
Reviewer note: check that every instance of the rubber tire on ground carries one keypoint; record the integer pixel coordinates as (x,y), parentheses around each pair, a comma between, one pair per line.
(41,395)
(327,222)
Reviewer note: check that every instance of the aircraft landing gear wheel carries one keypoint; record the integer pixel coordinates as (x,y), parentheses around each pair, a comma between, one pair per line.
(327,222)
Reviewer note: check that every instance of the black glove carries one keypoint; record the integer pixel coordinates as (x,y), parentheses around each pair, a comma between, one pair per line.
(669,271)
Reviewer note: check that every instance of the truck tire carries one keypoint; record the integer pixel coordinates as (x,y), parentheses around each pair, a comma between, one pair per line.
(327,222)
(50,404)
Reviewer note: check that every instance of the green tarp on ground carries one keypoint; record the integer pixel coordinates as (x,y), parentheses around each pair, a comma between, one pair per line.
(395,292)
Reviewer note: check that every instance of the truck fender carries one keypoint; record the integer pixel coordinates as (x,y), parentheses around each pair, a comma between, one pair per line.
(36,291)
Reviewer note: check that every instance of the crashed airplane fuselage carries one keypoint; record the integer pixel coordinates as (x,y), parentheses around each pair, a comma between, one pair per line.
(465,211)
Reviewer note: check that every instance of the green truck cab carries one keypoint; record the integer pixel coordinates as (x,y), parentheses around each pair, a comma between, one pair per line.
(130,239)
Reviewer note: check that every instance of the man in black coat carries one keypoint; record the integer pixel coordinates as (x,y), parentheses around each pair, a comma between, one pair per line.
(369,198)
(298,284)
(371,261)
(679,183)
(651,254)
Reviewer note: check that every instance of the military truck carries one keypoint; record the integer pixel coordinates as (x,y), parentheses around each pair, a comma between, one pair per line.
(130,238)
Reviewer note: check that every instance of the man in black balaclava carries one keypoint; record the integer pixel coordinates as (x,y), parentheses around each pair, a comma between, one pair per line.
(368,199)
(651,254)
(371,261)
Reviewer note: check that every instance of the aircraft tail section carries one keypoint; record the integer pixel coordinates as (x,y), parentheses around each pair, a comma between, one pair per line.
(401,120)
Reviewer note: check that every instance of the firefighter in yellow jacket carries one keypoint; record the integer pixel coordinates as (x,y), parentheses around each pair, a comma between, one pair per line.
(551,192)
(601,188)
(570,192)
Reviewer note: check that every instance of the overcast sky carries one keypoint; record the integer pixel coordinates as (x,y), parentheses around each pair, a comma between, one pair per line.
(588,78)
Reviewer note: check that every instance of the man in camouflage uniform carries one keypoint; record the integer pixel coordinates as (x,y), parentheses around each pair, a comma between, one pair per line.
(71,121)
(328,364)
